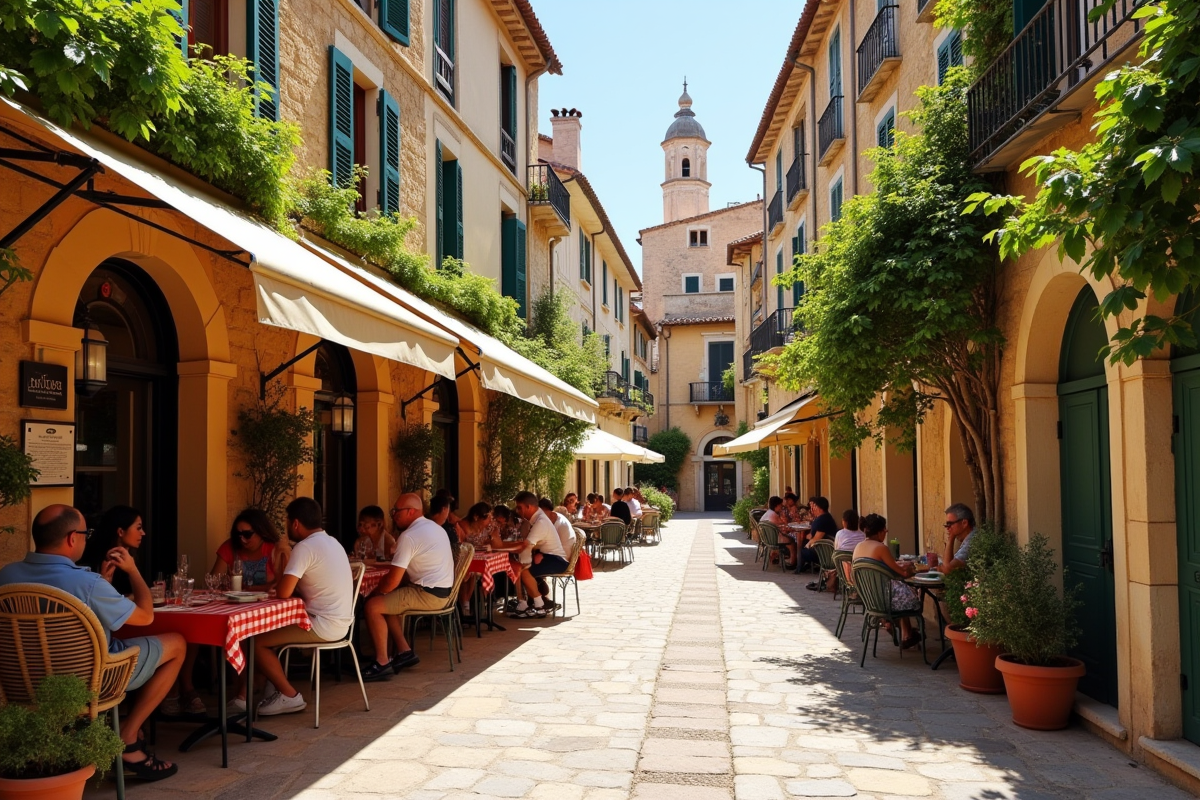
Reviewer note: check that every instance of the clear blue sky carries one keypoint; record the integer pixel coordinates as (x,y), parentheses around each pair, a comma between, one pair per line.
(623,68)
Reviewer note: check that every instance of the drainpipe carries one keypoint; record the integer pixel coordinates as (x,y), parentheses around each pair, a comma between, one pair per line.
(812,104)
(530,119)
(853,105)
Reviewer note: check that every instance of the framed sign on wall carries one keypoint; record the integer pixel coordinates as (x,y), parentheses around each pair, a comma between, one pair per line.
(51,445)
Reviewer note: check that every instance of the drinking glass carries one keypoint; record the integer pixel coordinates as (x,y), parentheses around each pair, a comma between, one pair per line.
(158,592)
(183,565)
(212,581)
(187,587)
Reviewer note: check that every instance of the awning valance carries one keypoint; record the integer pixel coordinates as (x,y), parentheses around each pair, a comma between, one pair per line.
(783,427)
(602,445)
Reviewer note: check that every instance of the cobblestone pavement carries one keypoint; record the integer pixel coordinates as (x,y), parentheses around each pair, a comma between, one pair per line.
(690,675)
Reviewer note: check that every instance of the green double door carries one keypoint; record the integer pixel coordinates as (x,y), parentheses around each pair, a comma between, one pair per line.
(1086,483)
(1186,444)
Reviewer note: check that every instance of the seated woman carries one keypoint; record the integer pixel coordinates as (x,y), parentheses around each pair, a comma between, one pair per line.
(596,510)
(373,537)
(120,526)
(484,527)
(775,516)
(569,507)
(255,542)
(904,597)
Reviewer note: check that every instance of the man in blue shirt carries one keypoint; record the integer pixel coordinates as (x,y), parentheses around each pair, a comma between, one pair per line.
(960,527)
(60,534)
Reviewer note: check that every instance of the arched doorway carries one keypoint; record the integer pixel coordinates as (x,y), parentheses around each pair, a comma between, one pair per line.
(1087,544)
(126,433)
(445,426)
(335,453)
(1185,366)
(720,478)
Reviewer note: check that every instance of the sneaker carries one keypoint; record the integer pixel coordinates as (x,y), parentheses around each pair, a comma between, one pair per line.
(529,613)
(550,605)
(237,705)
(170,706)
(376,672)
(195,706)
(404,660)
(279,703)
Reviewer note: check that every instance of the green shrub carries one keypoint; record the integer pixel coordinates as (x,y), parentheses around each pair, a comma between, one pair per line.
(674,445)
(757,498)
(988,545)
(660,500)
(415,447)
(274,443)
(50,738)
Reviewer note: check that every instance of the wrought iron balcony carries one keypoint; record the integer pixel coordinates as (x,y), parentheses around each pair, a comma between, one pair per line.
(615,386)
(545,189)
(795,178)
(879,53)
(641,434)
(775,331)
(830,129)
(508,151)
(443,73)
(711,392)
(642,399)
(1059,51)
(775,210)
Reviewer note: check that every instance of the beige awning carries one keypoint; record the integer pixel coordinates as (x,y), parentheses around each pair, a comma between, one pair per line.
(785,426)
(602,445)
(294,288)
(501,368)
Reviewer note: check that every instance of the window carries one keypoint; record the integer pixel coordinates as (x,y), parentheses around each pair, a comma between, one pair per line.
(389,153)
(262,47)
(799,247)
(687,168)
(508,116)
(779,170)
(607,347)
(835,64)
(513,267)
(835,200)
(620,304)
(443,48)
(585,257)
(624,366)
(798,141)
(343,114)
(586,331)
(779,271)
(691,284)
(604,282)
(360,143)
(393,19)
(209,21)
(885,132)
(724,283)
(698,238)
(449,206)
(949,54)
(639,380)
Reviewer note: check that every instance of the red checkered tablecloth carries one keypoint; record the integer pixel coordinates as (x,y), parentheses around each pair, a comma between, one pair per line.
(371,579)
(224,624)
(488,565)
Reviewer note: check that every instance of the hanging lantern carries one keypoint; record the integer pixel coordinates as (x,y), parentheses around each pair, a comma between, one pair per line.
(342,416)
(91,360)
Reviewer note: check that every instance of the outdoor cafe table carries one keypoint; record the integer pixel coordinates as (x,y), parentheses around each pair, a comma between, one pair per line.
(226,625)
(485,566)
(371,579)
(928,588)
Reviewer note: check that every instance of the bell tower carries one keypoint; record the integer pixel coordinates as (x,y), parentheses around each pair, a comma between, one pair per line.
(685,150)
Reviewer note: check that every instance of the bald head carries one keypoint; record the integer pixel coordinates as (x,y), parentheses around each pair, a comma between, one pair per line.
(407,509)
(53,524)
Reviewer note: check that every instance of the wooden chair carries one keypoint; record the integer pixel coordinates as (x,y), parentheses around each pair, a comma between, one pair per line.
(358,569)
(824,550)
(448,614)
(651,527)
(612,537)
(46,631)
(567,576)
(850,598)
(874,584)
(770,541)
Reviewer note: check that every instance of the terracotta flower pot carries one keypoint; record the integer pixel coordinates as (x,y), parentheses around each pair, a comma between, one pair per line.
(1041,698)
(60,787)
(976,663)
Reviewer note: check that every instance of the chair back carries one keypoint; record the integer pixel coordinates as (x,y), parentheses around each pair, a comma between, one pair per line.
(841,565)
(612,532)
(873,582)
(650,520)
(768,534)
(46,631)
(824,551)
(466,551)
(576,549)
(357,570)
(756,513)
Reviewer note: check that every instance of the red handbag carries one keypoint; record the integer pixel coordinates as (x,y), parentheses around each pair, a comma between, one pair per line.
(583,567)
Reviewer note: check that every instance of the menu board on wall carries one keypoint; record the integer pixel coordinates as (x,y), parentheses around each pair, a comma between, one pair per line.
(51,445)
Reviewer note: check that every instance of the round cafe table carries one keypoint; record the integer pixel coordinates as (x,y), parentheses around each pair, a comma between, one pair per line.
(928,589)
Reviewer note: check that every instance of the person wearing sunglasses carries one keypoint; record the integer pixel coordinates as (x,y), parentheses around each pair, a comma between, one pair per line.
(253,540)
(960,526)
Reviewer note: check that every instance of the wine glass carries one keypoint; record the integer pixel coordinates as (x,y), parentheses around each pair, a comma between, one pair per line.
(213,582)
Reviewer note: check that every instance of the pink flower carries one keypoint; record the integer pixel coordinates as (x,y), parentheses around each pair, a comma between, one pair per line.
(971,613)
(964,599)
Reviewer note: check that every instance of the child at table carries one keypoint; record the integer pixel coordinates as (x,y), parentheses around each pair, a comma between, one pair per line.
(373,537)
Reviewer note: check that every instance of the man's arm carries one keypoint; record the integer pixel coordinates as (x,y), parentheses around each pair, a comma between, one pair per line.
(390,581)
(949,562)
(287,586)
(144,613)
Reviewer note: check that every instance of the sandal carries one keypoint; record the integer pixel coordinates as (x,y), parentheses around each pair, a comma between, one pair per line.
(911,642)
(151,769)
(813,586)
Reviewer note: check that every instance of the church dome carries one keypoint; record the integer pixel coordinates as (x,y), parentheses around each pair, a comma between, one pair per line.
(685,124)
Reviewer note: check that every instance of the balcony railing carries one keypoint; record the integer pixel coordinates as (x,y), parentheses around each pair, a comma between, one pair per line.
(775,331)
(616,387)
(879,45)
(443,73)
(1057,50)
(641,434)
(829,127)
(775,210)
(546,189)
(711,392)
(642,399)
(795,178)
(508,151)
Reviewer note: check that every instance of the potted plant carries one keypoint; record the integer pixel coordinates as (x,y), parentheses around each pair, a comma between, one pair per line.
(1014,603)
(49,751)
(976,662)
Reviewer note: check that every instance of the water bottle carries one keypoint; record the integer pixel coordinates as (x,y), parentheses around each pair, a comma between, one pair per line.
(183,566)
(235,574)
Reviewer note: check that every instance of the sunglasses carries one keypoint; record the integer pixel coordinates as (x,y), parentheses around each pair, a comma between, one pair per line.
(245,534)
(952,524)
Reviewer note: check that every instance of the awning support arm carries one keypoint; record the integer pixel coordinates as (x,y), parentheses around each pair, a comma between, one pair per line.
(57,199)
(471,367)
(263,380)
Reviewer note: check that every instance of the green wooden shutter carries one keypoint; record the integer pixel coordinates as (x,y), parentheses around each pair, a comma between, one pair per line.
(262,47)
(441,206)
(510,78)
(513,264)
(458,211)
(943,61)
(956,49)
(182,15)
(835,201)
(604,281)
(341,118)
(779,271)
(801,247)
(393,19)
(835,64)
(885,134)
(451,210)
(389,153)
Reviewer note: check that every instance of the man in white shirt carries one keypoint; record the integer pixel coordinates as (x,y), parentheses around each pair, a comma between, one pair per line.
(421,578)
(635,508)
(319,572)
(566,532)
(549,558)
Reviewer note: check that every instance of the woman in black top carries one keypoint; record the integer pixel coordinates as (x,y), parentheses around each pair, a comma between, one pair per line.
(121,526)
(620,509)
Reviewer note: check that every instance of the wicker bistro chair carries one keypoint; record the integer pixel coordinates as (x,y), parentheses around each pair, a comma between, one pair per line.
(46,631)
(824,550)
(850,599)
(357,569)
(449,612)
(651,526)
(755,516)
(567,576)
(612,537)
(874,584)
(770,541)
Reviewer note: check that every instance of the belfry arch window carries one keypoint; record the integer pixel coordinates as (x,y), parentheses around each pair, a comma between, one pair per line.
(687,168)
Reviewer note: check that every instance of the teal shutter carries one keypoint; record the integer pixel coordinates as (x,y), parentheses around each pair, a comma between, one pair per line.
(389,153)
(956,49)
(451,217)
(779,271)
(440,234)
(182,15)
(262,47)
(513,266)
(835,201)
(582,259)
(604,281)
(800,248)
(458,211)
(341,118)
(885,134)
(835,64)
(950,54)
(393,19)
(508,74)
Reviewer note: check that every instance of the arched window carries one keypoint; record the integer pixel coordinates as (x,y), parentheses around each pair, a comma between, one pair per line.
(687,168)
(708,448)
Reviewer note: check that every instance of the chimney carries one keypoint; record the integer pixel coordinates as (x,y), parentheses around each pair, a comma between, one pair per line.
(567,125)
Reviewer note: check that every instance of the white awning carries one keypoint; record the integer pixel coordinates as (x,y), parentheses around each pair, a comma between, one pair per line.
(295,289)
(771,430)
(603,446)
(501,368)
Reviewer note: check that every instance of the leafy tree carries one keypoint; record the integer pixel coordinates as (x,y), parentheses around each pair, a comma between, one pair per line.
(1124,206)
(17,472)
(274,443)
(986,25)
(415,447)
(900,300)
(757,498)
(675,446)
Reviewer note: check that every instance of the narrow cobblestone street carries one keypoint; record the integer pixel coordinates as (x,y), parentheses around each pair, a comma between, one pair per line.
(691,673)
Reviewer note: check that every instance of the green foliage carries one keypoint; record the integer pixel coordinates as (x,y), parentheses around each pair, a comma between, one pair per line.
(1017,606)
(988,545)
(660,500)
(16,472)
(755,458)
(50,738)
(274,443)
(1124,206)
(552,343)
(757,498)
(11,271)
(674,445)
(987,27)
(900,299)
(729,378)
(415,447)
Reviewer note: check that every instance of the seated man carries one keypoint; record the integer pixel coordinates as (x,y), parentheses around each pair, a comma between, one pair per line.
(960,526)
(420,579)
(775,516)
(635,508)
(319,573)
(823,527)
(562,525)
(543,555)
(60,534)
(439,512)
(620,509)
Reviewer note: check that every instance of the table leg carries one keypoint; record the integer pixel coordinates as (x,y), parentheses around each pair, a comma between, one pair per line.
(223,713)
(250,709)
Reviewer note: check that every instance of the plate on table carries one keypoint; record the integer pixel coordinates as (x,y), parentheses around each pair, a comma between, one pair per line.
(245,597)
(928,577)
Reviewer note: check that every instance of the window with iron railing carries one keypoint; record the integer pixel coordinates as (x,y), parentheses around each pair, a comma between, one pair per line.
(443,48)
(545,188)
(829,127)
(775,210)
(878,45)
